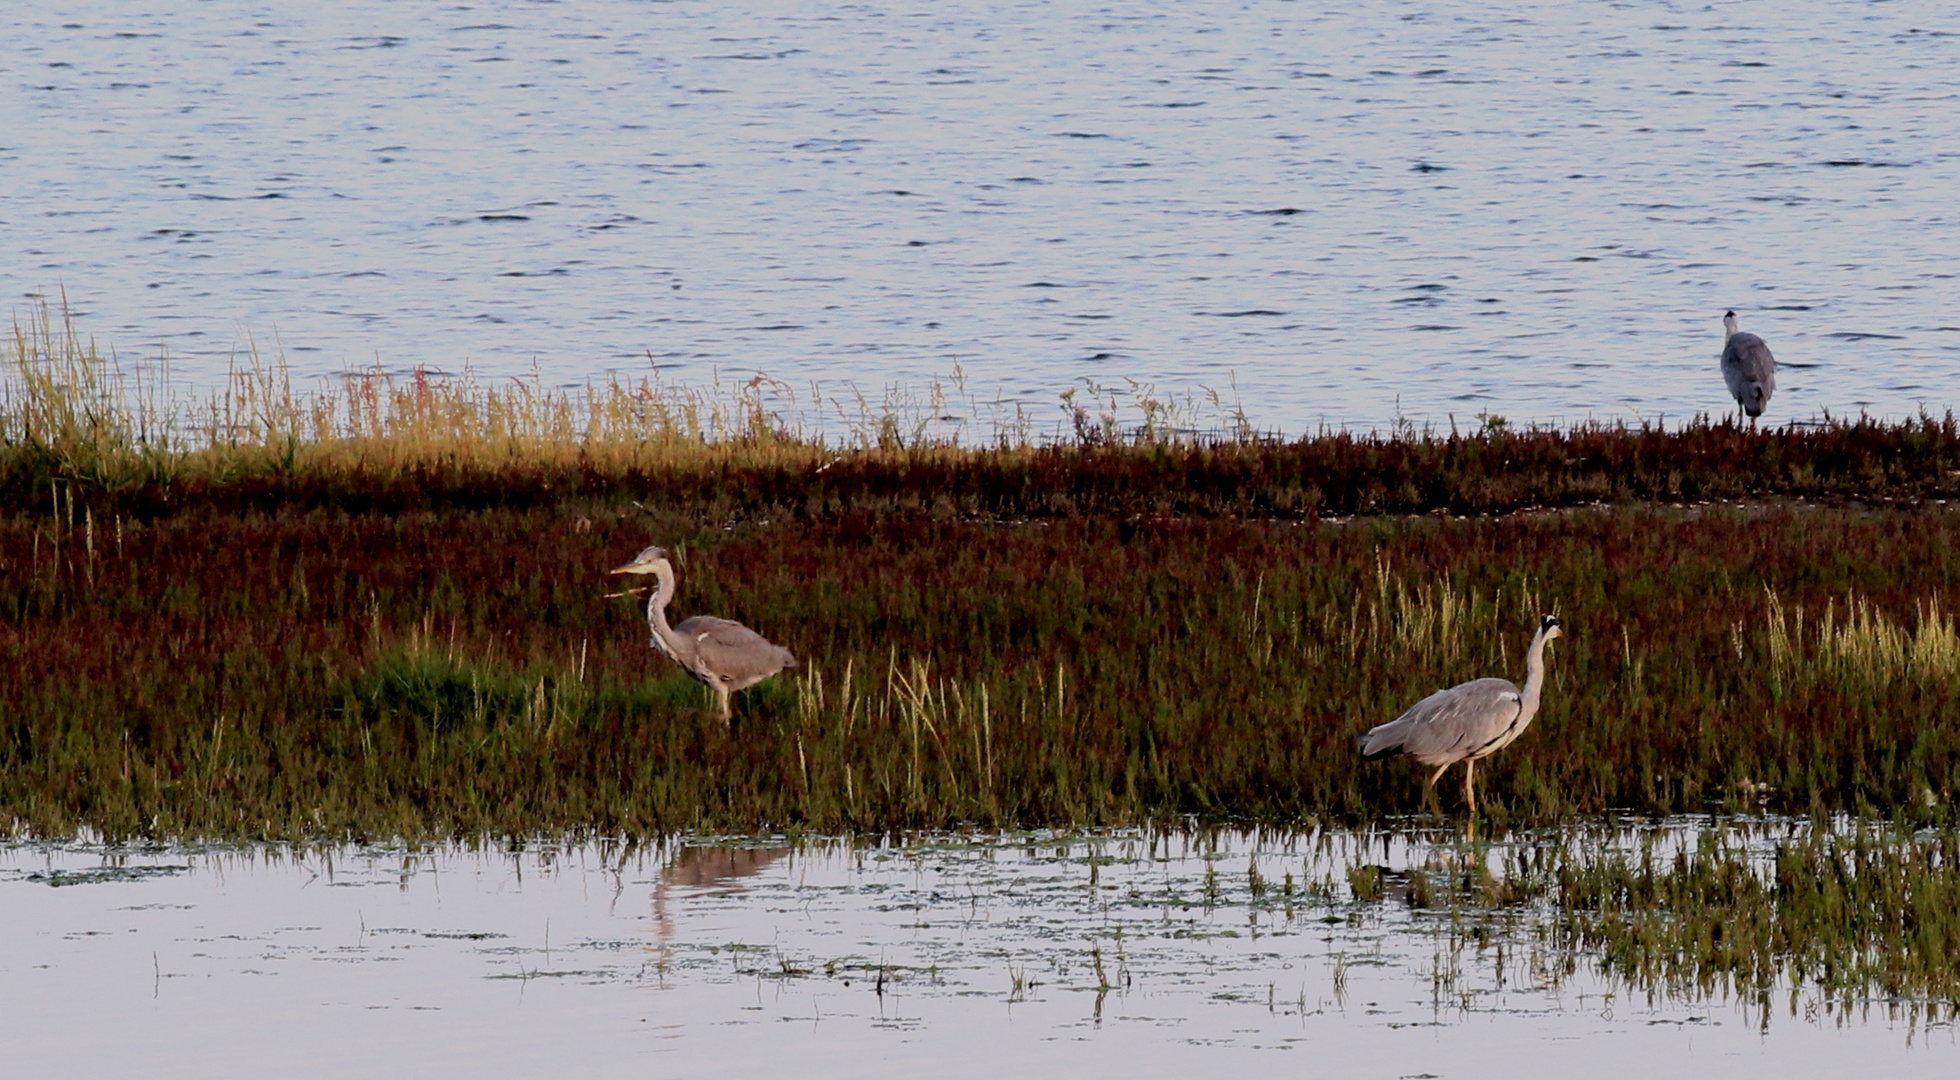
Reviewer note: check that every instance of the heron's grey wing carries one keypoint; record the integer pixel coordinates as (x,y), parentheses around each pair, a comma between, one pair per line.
(737,655)
(1384,739)
(1450,725)
(1750,371)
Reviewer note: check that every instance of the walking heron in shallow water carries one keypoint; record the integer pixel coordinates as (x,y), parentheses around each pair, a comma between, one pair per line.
(1468,721)
(1748,368)
(722,655)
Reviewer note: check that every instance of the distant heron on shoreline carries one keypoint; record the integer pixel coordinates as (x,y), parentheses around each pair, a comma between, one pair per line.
(1748,368)
(722,655)
(1468,721)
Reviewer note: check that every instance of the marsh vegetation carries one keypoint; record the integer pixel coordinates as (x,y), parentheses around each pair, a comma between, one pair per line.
(380,611)
(370,442)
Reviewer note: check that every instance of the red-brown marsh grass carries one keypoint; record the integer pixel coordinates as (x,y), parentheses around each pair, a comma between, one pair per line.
(328,674)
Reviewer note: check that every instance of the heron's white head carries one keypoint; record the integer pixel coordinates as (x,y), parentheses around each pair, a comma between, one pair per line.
(1551,628)
(651,561)
(1729,325)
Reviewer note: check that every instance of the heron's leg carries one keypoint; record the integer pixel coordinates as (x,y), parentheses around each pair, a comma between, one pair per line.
(1470,786)
(1429,789)
(727,714)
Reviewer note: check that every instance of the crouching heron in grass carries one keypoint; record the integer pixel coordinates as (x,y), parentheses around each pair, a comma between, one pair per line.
(1748,368)
(722,655)
(1466,722)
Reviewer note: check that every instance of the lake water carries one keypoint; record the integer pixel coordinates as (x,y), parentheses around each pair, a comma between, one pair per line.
(1346,212)
(1125,954)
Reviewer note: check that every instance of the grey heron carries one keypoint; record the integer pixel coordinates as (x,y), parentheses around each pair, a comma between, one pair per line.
(722,655)
(1748,368)
(1468,721)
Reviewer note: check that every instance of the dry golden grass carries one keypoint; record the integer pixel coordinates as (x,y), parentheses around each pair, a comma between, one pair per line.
(92,418)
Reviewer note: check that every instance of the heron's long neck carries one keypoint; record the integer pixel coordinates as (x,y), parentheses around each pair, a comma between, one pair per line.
(1534,675)
(663,635)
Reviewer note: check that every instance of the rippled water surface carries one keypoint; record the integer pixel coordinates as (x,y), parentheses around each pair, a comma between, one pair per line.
(1346,211)
(1027,955)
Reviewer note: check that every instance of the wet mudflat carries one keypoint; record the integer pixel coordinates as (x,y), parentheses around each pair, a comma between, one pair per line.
(1390,953)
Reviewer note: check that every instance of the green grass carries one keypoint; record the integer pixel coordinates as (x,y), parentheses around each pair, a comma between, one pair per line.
(1855,915)
(1846,914)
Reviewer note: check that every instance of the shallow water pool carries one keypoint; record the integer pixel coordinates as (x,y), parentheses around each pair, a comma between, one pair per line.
(1030,954)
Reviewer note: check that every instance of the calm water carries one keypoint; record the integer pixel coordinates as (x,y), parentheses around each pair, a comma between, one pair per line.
(1537,209)
(1029,955)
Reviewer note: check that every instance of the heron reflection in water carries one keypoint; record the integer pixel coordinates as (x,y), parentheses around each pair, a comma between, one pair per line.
(705,871)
